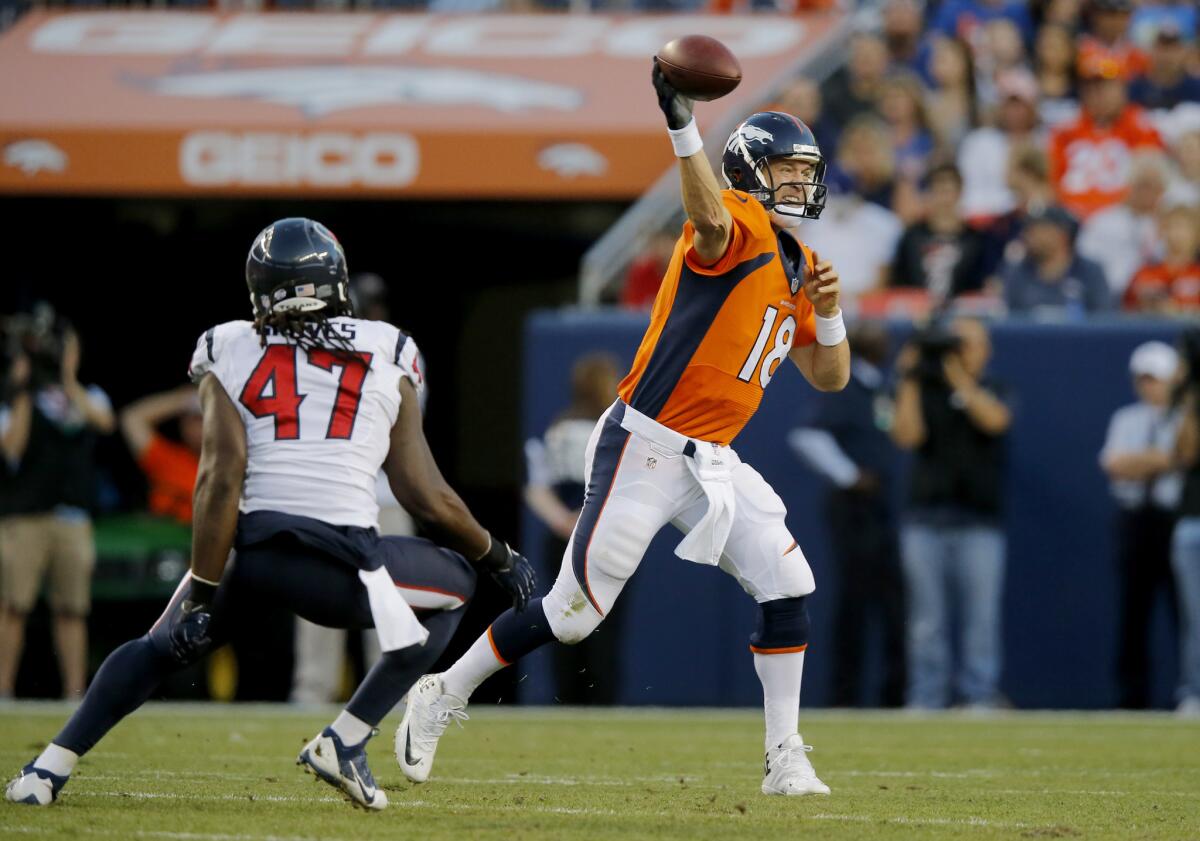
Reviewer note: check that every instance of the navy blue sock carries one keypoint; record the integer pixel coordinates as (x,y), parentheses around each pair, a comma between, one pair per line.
(516,634)
(128,677)
(397,671)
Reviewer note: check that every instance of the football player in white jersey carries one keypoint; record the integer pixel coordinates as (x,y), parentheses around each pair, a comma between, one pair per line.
(301,408)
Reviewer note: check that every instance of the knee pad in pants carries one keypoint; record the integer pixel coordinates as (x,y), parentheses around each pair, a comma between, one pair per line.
(782,627)
(570,614)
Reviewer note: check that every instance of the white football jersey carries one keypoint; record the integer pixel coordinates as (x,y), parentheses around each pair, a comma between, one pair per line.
(317,428)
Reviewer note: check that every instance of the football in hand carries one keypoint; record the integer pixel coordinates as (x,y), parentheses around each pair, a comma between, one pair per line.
(699,67)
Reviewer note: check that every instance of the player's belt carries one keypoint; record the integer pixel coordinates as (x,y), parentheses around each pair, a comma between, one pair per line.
(631,419)
(711,465)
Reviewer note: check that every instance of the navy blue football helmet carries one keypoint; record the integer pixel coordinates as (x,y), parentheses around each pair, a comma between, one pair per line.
(762,137)
(297,265)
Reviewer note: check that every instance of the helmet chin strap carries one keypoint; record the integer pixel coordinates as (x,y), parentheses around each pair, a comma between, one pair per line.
(785,220)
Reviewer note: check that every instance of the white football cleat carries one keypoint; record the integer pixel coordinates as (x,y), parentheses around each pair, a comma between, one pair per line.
(344,768)
(788,770)
(35,787)
(429,712)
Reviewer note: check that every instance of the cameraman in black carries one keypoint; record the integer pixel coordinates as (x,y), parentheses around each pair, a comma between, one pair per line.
(1185,544)
(952,549)
(48,428)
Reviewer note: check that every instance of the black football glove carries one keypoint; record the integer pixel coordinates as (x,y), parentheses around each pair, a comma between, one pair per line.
(511,570)
(675,106)
(189,626)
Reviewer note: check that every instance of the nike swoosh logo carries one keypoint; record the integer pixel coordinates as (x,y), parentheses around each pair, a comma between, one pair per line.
(368,793)
(408,757)
(739,198)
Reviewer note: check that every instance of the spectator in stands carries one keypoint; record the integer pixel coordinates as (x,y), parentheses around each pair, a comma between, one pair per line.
(1171,286)
(941,253)
(1124,237)
(902,106)
(844,441)
(645,273)
(1185,543)
(1064,13)
(1090,156)
(1184,187)
(1028,178)
(867,162)
(1169,80)
(952,104)
(954,419)
(1052,280)
(859,238)
(170,466)
(964,18)
(1151,17)
(802,99)
(984,154)
(1002,52)
(1054,66)
(586,673)
(903,33)
(854,89)
(1046,276)
(48,433)
(1138,456)
(1107,38)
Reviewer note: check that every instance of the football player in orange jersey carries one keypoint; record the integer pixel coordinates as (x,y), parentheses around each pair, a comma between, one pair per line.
(741,294)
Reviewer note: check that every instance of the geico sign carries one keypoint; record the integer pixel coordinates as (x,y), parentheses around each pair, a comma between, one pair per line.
(326,159)
(493,36)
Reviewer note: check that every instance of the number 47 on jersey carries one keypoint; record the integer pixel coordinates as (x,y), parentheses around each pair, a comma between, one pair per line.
(272,389)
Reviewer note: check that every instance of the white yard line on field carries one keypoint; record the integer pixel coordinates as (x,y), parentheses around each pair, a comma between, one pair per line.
(174,836)
(980,822)
(1087,792)
(169,795)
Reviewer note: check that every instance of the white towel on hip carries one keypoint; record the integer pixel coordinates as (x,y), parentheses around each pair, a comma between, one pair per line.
(712,465)
(395,622)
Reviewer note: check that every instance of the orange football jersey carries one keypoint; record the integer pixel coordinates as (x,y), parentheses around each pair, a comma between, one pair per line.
(1161,287)
(718,333)
(1089,164)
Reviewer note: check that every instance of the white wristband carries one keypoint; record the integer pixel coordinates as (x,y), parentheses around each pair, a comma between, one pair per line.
(686,140)
(830,331)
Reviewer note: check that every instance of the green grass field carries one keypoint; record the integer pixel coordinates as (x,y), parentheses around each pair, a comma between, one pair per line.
(226,773)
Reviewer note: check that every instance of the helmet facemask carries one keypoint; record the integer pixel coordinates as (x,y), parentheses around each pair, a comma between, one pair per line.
(810,202)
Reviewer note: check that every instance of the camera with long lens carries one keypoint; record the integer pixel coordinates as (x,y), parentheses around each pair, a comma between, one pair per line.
(40,336)
(933,343)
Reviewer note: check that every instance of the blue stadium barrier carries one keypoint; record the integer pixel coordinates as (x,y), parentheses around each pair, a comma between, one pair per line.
(687,627)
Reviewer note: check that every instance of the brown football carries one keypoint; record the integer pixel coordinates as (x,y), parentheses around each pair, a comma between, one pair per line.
(700,67)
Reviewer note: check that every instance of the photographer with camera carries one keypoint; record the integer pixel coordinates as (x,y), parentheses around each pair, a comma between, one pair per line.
(48,428)
(1185,544)
(953,418)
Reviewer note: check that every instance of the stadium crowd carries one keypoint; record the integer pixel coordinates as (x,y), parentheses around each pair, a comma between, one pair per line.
(1036,158)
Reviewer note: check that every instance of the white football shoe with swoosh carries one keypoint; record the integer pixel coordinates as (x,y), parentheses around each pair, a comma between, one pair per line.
(789,772)
(344,768)
(429,712)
